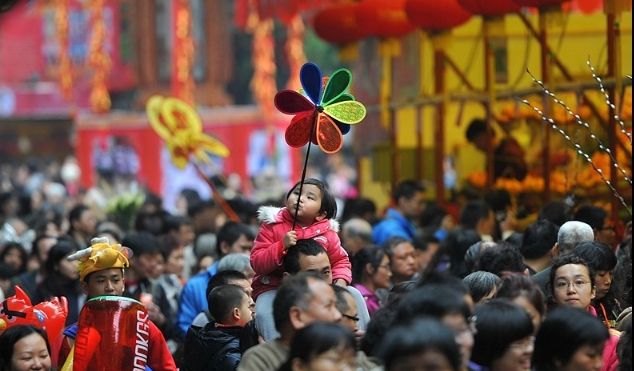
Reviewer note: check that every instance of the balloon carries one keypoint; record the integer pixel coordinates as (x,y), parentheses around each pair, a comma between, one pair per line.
(49,315)
(112,334)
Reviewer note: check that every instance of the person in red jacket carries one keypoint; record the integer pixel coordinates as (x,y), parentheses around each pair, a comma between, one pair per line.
(310,218)
(101,274)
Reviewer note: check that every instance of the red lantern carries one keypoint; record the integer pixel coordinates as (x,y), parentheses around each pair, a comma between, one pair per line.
(540,3)
(337,24)
(384,18)
(589,6)
(435,15)
(490,7)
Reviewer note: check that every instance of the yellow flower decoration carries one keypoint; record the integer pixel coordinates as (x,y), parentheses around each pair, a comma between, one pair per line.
(180,126)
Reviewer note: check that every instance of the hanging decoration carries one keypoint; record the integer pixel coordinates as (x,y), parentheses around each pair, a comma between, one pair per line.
(184,52)
(490,8)
(433,15)
(323,113)
(384,18)
(65,69)
(99,60)
(180,126)
(262,83)
(295,50)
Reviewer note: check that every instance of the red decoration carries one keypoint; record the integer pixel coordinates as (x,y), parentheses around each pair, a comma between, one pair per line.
(337,24)
(540,3)
(490,7)
(384,18)
(589,6)
(434,15)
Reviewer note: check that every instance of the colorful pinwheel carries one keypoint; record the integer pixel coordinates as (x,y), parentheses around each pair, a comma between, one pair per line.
(180,126)
(324,114)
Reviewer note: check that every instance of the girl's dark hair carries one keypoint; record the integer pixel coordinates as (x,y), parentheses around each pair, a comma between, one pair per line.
(405,341)
(58,252)
(318,338)
(516,285)
(565,330)
(372,255)
(434,300)
(480,284)
(598,256)
(23,255)
(14,334)
(499,323)
(328,203)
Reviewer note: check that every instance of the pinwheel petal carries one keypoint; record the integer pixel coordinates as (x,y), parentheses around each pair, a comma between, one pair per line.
(345,128)
(337,85)
(213,146)
(329,137)
(180,116)
(291,102)
(343,98)
(153,111)
(310,76)
(348,112)
(299,131)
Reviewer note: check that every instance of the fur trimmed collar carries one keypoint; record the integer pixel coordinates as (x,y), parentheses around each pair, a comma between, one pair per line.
(269,215)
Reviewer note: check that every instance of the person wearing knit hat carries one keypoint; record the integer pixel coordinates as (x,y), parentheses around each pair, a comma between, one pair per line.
(101,273)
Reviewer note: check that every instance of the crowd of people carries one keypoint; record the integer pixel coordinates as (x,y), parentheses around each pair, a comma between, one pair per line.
(302,284)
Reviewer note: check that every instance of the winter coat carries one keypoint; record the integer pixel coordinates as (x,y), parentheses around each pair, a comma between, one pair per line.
(268,249)
(212,348)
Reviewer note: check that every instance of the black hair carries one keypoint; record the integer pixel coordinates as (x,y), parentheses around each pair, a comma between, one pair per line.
(407,189)
(475,128)
(401,290)
(520,285)
(473,252)
(594,216)
(173,223)
(142,243)
(168,243)
(443,279)
(480,284)
(405,340)
(196,207)
(557,212)
(379,324)
(14,334)
(328,202)
(456,245)
(35,250)
(230,232)
(358,207)
(432,300)
(500,258)
(223,299)
(390,244)
(565,330)
(499,199)
(149,221)
(539,238)
(372,255)
(307,247)
(294,291)
(58,252)
(499,323)
(624,348)
(7,271)
(23,255)
(342,303)
(598,256)
(316,339)
(74,215)
(224,278)
(473,212)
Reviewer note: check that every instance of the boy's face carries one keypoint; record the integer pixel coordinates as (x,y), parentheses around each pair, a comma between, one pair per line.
(104,282)
(309,205)
(246,310)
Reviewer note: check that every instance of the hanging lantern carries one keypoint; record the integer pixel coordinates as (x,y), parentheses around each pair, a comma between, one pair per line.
(337,24)
(384,18)
(589,6)
(489,8)
(434,15)
(541,4)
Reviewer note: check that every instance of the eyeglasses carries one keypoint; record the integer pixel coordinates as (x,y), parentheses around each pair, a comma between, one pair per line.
(351,318)
(578,285)
(385,266)
(607,228)
(524,343)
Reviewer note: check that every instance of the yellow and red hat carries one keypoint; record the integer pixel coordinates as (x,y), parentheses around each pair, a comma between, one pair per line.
(101,255)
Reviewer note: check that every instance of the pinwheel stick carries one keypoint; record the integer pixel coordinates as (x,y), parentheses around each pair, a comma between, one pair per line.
(217,197)
(301,182)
